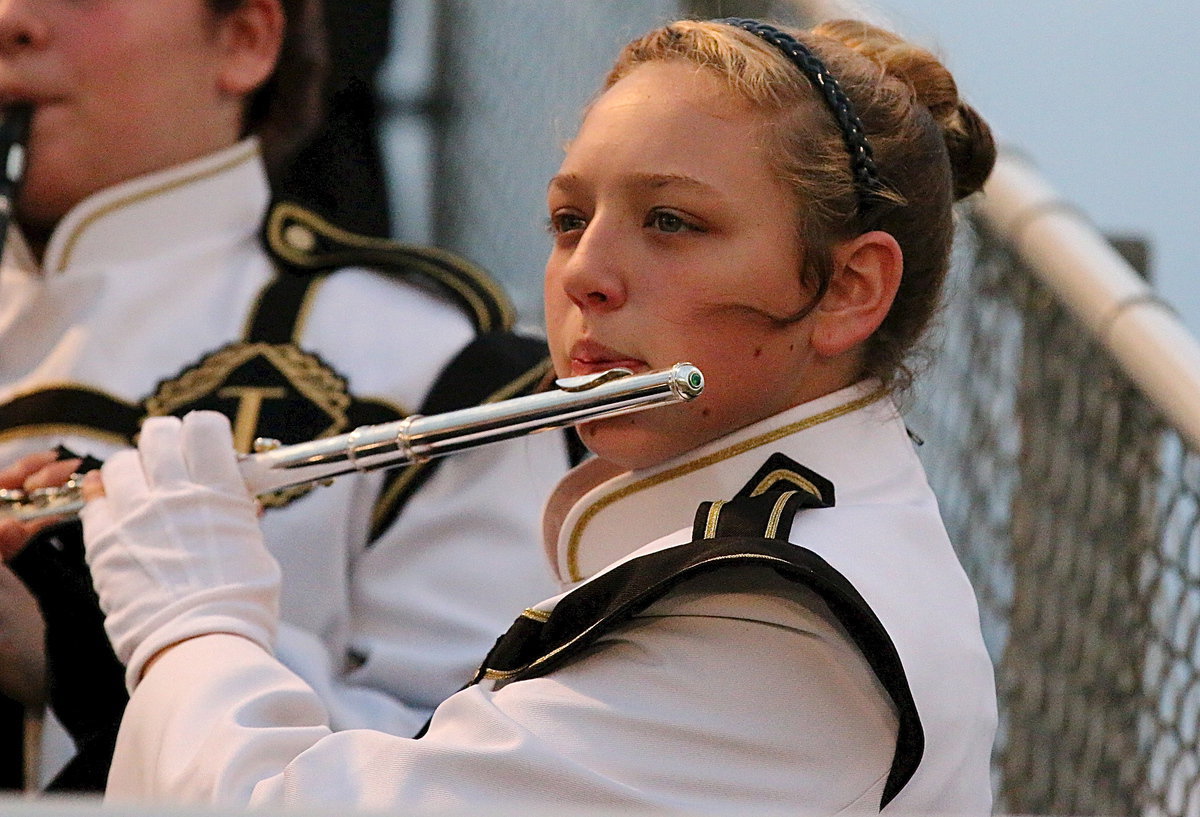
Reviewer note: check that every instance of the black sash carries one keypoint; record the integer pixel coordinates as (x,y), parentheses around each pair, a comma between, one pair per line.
(749,530)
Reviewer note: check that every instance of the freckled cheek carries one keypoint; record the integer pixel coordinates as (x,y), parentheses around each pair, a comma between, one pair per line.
(551,286)
(557,310)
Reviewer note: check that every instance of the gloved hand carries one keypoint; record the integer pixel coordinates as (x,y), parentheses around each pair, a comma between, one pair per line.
(174,546)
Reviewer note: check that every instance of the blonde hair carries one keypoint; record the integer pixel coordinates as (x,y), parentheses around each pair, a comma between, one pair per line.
(930,148)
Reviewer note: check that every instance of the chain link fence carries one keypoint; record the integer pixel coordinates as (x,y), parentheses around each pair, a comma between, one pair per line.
(1075,510)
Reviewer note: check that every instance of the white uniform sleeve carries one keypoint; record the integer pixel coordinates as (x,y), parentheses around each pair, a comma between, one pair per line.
(386,630)
(427,600)
(713,702)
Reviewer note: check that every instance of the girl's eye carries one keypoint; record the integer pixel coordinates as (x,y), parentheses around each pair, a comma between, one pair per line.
(667,222)
(560,223)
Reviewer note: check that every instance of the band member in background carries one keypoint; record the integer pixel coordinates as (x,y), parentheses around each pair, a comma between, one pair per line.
(149,272)
(761,610)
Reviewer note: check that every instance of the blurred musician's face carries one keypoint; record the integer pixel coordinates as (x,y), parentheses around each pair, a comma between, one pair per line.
(675,241)
(120,88)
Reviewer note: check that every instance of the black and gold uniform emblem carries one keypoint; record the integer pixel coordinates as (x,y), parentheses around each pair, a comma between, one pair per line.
(278,391)
(271,386)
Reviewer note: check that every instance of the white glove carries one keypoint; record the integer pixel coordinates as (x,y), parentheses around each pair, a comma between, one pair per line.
(175,547)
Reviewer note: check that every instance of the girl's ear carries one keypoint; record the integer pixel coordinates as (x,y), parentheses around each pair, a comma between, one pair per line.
(251,37)
(866,275)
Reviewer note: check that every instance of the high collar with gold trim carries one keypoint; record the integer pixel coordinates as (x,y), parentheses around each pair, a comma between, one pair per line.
(222,193)
(605,514)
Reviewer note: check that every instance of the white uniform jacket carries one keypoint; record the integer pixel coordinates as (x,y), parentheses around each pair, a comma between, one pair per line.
(143,283)
(730,691)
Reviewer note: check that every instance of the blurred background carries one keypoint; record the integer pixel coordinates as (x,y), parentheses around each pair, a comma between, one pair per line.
(1100,94)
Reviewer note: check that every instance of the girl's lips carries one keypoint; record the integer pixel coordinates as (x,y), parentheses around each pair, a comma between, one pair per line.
(588,357)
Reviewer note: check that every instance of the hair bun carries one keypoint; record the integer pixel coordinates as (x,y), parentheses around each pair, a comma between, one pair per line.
(972,150)
(967,136)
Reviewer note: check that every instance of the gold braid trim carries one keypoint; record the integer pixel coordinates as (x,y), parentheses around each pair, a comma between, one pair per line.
(573,571)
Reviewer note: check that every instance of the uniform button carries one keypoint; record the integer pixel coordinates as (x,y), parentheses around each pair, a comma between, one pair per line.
(300,237)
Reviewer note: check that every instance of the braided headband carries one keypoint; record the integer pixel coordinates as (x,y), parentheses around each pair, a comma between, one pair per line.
(862,162)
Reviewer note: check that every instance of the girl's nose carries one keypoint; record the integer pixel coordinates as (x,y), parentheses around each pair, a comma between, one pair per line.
(593,276)
(21,28)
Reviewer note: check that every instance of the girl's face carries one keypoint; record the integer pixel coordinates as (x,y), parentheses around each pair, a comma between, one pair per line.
(674,241)
(119,87)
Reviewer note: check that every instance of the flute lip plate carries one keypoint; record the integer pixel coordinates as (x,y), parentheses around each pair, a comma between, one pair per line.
(584,382)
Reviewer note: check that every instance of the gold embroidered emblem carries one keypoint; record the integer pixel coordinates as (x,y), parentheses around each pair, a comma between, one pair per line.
(267,390)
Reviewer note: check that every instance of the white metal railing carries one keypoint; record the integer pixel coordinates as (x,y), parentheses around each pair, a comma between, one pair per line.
(1066,252)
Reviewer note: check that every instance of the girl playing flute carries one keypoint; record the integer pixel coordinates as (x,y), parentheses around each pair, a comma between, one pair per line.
(760,610)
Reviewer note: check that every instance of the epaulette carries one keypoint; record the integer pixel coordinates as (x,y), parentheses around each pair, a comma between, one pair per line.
(303,242)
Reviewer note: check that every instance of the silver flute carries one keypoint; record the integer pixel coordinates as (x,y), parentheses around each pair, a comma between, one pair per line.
(418,438)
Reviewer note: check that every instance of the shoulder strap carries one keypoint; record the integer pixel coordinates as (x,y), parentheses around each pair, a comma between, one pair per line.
(495,366)
(276,319)
(303,242)
(276,316)
(70,409)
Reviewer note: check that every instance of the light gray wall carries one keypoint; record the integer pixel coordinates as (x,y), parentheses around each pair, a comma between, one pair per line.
(1101,93)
